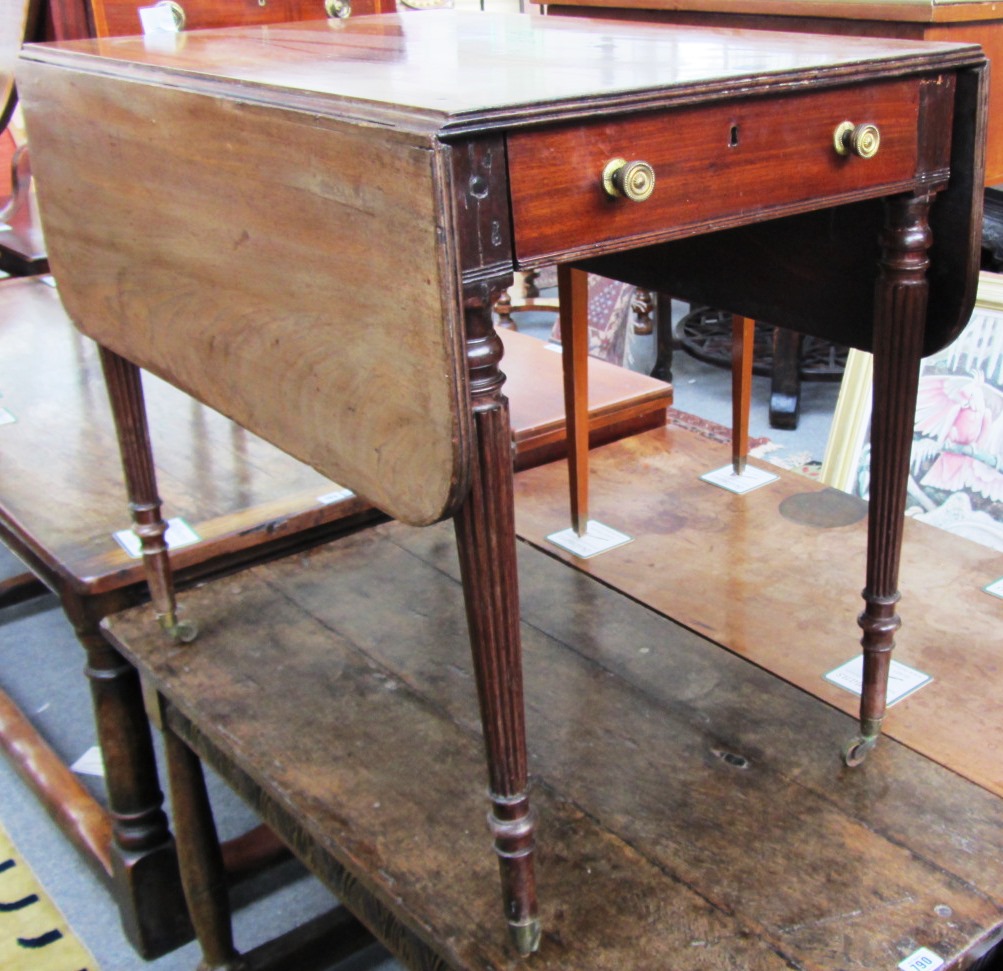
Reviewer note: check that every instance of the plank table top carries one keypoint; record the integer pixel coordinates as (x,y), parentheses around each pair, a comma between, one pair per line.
(61,494)
(694,811)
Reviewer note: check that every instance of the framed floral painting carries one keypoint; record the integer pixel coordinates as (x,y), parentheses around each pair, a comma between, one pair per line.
(956,470)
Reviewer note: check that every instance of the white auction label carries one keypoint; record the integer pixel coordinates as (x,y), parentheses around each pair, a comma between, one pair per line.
(337,495)
(727,478)
(178,534)
(598,538)
(902,679)
(157,19)
(922,960)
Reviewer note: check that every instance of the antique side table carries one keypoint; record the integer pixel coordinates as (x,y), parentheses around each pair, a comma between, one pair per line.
(972,21)
(431,156)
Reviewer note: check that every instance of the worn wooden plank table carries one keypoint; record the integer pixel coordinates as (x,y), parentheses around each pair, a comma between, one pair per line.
(505,154)
(62,501)
(694,812)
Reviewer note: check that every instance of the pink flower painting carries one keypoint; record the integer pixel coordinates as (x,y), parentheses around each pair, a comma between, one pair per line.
(961,416)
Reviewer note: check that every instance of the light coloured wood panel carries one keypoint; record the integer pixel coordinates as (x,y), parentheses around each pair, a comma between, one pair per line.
(785,594)
(990,36)
(288,271)
(918,11)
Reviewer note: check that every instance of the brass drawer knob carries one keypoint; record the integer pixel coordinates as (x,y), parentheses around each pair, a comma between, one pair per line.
(860,140)
(631,180)
(338,9)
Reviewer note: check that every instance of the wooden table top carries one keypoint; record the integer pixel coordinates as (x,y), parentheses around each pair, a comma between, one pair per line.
(61,489)
(452,71)
(750,572)
(693,809)
(912,11)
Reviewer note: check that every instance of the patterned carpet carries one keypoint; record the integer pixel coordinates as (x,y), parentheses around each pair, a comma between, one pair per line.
(760,448)
(34,935)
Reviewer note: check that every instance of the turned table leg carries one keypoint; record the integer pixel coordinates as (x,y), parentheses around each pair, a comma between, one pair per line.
(125,391)
(485,532)
(899,325)
(144,860)
(140,826)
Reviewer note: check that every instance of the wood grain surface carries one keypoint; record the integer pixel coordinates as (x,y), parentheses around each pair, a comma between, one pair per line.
(972,20)
(746,148)
(764,575)
(391,69)
(621,402)
(693,810)
(242,269)
(61,490)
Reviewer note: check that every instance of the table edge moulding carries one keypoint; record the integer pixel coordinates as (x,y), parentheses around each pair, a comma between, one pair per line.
(180,152)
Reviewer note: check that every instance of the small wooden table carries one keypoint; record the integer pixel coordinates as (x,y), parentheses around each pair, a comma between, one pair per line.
(972,21)
(61,501)
(462,147)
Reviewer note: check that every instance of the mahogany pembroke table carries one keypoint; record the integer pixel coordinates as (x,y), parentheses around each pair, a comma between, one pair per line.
(213,202)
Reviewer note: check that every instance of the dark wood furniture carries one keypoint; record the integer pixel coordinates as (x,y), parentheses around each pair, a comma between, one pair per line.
(457,167)
(975,21)
(61,500)
(693,811)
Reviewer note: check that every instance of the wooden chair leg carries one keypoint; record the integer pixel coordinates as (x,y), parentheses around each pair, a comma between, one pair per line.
(201,859)
(125,391)
(662,368)
(742,338)
(900,309)
(485,533)
(573,298)
(785,378)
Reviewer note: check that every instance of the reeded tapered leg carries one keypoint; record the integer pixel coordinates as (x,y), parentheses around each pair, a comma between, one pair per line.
(125,391)
(201,858)
(485,532)
(899,325)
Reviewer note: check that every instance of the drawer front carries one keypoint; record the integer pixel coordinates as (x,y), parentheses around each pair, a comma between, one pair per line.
(715,165)
(118,18)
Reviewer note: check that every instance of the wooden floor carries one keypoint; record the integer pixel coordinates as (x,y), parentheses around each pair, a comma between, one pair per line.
(773,576)
(693,809)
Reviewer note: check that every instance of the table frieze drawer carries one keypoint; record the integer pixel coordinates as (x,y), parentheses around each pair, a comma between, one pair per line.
(718,166)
